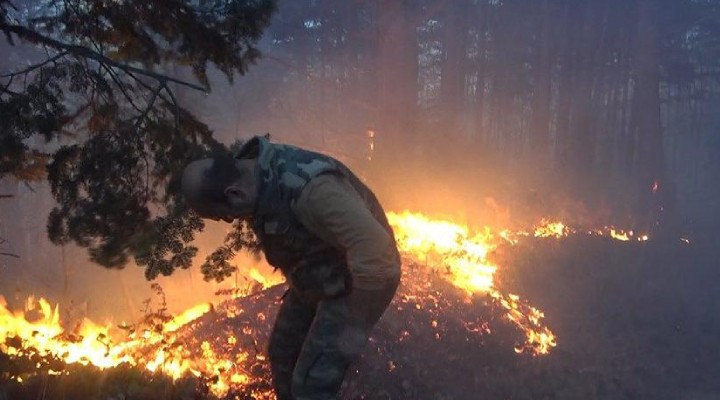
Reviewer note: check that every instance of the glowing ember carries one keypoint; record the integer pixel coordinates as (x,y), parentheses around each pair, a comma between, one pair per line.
(626,236)
(620,235)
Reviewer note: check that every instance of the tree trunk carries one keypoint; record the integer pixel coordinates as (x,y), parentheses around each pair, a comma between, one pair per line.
(540,125)
(583,135)
(397,77)
(656,193)
(452,84)
(480,69)
(568,70)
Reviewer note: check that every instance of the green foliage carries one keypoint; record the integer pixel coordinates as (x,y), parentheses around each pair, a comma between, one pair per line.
(101,116)
(217,266)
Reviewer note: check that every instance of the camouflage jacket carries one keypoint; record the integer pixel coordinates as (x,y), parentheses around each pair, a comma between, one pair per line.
(309,264)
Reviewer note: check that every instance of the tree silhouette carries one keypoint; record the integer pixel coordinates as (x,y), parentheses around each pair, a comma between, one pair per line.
(96,116)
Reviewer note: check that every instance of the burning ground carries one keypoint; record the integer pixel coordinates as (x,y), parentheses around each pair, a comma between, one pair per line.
(627,318)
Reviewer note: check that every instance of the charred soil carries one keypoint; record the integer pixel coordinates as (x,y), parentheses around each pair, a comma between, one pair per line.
(633,321)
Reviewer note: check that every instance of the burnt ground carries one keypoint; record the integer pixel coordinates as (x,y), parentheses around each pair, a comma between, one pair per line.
(634,321)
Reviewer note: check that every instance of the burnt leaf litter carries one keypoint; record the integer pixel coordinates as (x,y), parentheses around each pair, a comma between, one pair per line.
(633,320)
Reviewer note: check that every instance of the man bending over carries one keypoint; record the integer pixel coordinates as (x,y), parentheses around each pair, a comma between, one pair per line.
(328,235)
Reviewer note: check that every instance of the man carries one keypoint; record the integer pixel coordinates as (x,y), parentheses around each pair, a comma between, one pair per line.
(328,235)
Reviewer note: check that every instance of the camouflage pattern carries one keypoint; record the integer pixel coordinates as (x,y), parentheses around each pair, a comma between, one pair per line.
(322,325)
(310,265)
(313,343)
(291,327)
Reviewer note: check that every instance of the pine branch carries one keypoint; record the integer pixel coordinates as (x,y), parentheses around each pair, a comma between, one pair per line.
(177,106)
(120,86)
(10,92)
(80,51)
(163,85)
(9,83)
(150,105)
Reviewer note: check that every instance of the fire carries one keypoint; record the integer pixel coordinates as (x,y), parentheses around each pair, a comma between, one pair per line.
(462,256)
(45,334)
(265,281)
(551,229)
(441,244)
(454,251)
(626,236)
(154,344)
(451,249)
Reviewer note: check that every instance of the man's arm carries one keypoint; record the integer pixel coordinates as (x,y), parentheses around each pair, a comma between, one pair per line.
(330,208)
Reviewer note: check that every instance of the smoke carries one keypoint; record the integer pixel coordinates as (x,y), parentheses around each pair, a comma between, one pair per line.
(320,86)
(65,276)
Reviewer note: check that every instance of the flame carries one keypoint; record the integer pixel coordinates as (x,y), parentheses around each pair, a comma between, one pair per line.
(265,281)
(452,250)
(442,244)
(186,316)
(155,345)
(627,236)
(551,229)
(620,235)
(461,255)
(44,333)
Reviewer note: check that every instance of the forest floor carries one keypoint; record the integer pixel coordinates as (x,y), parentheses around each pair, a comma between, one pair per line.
(634,321)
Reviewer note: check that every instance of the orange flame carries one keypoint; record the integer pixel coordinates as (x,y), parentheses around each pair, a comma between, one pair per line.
(154,347)
(551,229)
(627,236)
(450,249)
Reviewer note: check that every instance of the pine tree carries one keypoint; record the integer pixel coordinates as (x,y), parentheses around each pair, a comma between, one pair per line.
(97,117)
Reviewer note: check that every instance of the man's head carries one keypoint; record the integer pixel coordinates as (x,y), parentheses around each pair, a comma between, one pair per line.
(221,187)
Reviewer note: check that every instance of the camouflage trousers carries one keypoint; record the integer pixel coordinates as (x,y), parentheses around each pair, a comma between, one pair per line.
(313,342)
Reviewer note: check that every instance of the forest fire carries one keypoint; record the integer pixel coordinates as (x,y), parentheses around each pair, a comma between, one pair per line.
(37,331)
(451,249)
(170,345)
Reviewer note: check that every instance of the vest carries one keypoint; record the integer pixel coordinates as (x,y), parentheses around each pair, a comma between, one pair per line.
(309,264)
